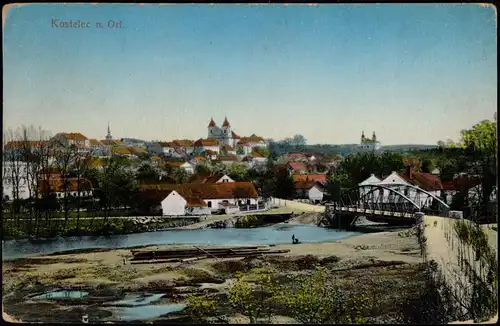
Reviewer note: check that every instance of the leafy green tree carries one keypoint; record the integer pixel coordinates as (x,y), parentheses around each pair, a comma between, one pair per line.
(117,186)
(264,151)
(240,151)
(237,172)
(285,185)
(427,165)
(202,169)
(146,173)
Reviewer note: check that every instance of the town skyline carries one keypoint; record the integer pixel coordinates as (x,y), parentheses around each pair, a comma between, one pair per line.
(414,74)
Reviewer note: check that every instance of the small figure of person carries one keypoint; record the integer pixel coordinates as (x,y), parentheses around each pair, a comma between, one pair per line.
(293,238)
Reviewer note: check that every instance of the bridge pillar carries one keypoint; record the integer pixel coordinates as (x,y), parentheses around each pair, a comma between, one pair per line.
(456,214)
(419,217)
(339,220)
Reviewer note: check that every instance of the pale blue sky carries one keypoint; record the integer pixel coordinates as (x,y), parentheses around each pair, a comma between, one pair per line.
(412,73)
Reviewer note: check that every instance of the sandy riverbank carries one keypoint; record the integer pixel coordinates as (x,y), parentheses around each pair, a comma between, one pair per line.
(380,258)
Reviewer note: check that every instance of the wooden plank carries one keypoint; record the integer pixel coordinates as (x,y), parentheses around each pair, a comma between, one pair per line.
(202,252)
(138,252)
(206,252)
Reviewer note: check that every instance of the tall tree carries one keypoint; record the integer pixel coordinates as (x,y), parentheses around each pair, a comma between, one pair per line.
(82,163)
(299,140)
(285,185)
(147,173)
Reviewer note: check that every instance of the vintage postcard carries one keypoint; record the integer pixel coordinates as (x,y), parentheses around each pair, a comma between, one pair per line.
(249,163)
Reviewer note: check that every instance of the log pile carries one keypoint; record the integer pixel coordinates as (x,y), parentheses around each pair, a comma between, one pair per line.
(184,255)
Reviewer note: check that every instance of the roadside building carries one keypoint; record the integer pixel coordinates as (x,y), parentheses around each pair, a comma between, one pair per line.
(310,189)
(203,198)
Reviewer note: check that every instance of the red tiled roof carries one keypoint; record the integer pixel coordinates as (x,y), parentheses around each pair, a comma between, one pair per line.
(252,139)
(298,166)
(212,123)
(205,191)
(95,142)
(226,123)
(234,135)
(195,202)
(426,181)
(72,135)
(227,148)
(318,177)
(183,143)
(228,158)
(113,142)
(461,183)
(305,185)
(206,142)
(212,178)
(122,150)
(296,155)
(243,143)
(56,185)
(209,152)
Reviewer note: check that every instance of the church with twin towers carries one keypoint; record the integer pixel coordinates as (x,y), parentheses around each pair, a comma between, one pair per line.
(227,137)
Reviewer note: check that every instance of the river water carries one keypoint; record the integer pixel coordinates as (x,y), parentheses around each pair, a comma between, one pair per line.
(276,234)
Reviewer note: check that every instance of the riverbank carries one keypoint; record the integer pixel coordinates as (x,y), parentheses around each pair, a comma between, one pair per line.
(49,229)
(388,261)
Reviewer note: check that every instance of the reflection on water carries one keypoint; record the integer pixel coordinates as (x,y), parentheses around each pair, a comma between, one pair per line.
(138,300)
(61,295)
(276,234)
(146,312)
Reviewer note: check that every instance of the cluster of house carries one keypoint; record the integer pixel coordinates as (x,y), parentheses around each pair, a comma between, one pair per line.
(429,182)
(222,145)
(204,196)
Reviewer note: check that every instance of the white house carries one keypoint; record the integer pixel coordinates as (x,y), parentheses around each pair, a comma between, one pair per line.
(424,181)
(243,148)
(254,141)
(215,178)
(166,147)
(72,138)
(176,204)
(372,180)
(259,159)
(311,190)
(55,186)
(228,159)
(202,145)
(228,150)
(203,199)
(224,178)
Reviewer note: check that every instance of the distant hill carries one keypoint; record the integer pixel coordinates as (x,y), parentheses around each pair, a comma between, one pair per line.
(342,149)
(408,147)
(132,140)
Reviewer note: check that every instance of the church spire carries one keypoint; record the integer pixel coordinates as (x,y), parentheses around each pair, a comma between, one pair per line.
(362,135)
(374,137)
(226,123)
(212,122)
(108,136)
